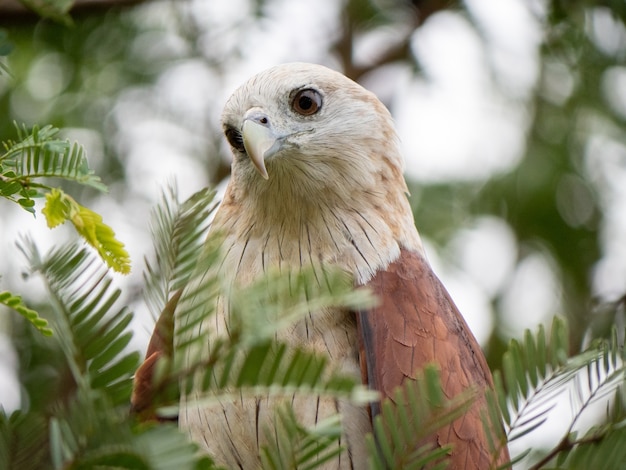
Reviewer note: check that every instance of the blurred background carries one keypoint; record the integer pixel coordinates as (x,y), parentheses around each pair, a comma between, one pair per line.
(511,114)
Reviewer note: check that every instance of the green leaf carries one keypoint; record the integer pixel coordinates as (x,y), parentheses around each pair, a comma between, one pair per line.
(178,232)
(92,332)
(23,440)
(529,392)
(40,153)
(15,302)
(9,185)
(605,451)
(418,409)
(6,46)
(56,209)
(60,207)
(167,448)
(282,297)
(291,445)
(90,432)
(90,226)
(251,356)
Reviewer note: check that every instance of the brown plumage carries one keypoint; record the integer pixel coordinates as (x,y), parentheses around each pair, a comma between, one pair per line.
(416,324)
(317,180)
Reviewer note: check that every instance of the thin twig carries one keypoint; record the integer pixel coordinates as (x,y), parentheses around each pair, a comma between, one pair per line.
(565,445)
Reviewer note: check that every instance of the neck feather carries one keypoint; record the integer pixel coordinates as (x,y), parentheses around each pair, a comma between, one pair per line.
(287,221)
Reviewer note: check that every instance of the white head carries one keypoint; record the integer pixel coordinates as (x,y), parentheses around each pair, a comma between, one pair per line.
(316,161)
(313,126)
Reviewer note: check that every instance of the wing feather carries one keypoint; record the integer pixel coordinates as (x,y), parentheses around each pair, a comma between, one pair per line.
(161,344)
(415,324)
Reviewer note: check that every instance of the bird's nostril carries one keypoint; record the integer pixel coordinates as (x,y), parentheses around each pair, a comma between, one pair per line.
(257,115)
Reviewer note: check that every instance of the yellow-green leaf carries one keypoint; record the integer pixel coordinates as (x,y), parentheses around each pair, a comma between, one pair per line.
(89,225)
(57,208)
(15,302)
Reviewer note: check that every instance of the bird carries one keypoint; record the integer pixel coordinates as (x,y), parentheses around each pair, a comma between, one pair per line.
(317,179)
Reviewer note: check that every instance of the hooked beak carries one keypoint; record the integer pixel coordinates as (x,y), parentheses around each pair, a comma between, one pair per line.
(260,141)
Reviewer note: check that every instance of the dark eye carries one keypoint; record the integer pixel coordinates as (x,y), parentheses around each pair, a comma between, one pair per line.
(234,138)
(307,102)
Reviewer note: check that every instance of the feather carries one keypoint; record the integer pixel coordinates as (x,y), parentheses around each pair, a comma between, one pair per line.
(161,345)
(415,324)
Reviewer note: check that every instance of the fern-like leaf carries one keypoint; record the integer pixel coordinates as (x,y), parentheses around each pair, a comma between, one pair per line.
(605,451)
(91,330)
(537,371)
(15,302)
(94,428)
(41,154)
(178,230)
(280,298)
(292,446)
(424,410)
(533,374)
(167,448)
(23,441)
(251,356)
(92,433)
(249,359)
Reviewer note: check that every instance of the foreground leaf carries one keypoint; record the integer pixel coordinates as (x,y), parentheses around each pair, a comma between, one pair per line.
(15,302)
(60,207)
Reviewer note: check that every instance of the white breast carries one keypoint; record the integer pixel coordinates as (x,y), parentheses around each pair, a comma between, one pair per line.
(233,430)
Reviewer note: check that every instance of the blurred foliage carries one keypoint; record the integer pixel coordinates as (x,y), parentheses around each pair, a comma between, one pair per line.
(56,10)
(550,199)
(74,78)
(15,302)
(5,49)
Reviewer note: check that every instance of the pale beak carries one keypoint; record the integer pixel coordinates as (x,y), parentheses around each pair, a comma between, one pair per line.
(260,142)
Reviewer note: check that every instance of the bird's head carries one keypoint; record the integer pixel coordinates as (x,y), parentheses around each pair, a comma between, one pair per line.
(316,162)
(309,130)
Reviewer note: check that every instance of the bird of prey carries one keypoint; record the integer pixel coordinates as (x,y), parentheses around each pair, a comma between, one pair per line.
(317,178)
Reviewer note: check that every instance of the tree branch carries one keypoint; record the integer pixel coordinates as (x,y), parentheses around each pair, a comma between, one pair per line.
(10,10)
(421,11)
(566,445)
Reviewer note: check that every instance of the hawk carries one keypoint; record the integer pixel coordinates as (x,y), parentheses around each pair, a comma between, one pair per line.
(317,177)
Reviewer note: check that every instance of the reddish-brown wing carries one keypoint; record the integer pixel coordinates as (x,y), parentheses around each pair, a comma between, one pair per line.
(161,344)
(416,323)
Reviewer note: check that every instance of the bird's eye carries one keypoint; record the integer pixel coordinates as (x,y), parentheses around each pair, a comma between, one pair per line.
(307,102)
(234,138)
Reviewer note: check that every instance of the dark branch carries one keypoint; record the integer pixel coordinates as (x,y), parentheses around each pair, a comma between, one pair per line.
(11,10)
(566,445)
(421,11)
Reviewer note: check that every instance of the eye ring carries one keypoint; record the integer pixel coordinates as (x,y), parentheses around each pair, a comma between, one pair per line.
(235,139)
(307,102)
